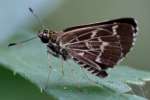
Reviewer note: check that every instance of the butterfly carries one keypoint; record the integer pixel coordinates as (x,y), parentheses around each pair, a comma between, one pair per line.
(95,47)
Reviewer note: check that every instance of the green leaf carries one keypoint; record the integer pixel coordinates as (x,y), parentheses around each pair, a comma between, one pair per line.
(30,60)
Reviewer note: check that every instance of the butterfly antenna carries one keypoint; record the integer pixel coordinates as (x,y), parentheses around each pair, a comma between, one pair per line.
(36,16)
(21,42)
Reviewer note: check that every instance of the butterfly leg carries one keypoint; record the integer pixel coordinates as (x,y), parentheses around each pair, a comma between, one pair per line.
(48,77)
(64,54)
(52,53)
(56,51)
(49,70)
(62,67)
(53,49)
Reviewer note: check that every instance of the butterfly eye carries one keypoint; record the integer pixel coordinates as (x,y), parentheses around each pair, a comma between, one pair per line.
(44,36)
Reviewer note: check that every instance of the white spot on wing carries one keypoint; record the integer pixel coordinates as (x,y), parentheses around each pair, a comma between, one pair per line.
(134,39)
(114,28)
(87,44)
(100,40)
(103,46)
(136,23)
(93,33)
(133,43)
(98,58)
(81,53)
(134,29)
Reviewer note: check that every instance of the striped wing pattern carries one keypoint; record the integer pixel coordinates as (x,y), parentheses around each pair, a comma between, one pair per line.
(99,46)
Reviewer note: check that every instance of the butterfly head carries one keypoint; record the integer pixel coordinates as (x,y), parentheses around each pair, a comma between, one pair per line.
(45,35)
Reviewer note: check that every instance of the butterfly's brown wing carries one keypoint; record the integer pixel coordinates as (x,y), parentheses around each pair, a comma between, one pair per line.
(101,45)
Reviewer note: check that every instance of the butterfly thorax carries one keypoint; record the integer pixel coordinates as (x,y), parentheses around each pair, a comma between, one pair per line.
(46,35)
(49,38)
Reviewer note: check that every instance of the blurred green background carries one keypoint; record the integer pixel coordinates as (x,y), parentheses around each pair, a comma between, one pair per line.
(59,14)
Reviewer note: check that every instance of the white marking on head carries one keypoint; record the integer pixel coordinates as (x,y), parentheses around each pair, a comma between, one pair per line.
(114,28)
